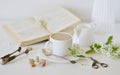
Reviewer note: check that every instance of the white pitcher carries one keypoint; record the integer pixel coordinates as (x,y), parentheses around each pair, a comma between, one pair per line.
(83,35)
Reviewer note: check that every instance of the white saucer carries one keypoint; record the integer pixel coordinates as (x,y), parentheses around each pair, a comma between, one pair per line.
(56,59)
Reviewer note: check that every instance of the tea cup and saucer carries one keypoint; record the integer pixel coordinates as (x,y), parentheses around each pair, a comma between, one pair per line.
(57,48)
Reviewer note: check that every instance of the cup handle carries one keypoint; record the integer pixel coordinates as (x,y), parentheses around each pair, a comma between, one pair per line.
(48,45)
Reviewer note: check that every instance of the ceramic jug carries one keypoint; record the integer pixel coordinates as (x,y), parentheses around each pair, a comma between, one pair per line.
(83,35)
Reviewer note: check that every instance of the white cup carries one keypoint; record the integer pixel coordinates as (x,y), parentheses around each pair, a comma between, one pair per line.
(59,43)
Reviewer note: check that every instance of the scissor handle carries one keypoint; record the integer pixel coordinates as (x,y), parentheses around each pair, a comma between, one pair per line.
(94,60)
(104,65)
(94,65)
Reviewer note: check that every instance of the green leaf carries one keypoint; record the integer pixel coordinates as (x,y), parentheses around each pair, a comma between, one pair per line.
(80,56)
(44,24)
(72,51)
(109,40)
(91,51)
(114,48)
(91,47)
(97,46)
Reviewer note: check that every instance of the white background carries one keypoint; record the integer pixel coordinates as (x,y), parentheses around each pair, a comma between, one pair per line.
(18,9)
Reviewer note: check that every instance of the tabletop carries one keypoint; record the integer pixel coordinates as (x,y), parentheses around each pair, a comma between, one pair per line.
(21,66)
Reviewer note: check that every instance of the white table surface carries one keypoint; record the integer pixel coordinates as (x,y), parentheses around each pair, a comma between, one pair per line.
(21,66)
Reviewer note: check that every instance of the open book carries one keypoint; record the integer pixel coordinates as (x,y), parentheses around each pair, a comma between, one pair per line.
(29,31)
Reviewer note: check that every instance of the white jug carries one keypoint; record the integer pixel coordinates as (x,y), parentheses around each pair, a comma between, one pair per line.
(83,35)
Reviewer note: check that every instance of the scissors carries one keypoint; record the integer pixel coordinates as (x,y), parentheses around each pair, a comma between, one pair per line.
(95,64)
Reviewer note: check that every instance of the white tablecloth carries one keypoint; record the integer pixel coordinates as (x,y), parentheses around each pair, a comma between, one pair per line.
(21,66)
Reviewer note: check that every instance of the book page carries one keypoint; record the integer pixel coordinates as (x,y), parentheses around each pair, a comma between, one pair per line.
(28,29)
(31,31)
(58,19)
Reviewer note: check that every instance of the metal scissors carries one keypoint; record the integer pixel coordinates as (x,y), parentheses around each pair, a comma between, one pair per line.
(96,64)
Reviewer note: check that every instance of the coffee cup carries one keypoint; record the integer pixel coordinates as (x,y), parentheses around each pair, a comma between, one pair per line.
(59,43)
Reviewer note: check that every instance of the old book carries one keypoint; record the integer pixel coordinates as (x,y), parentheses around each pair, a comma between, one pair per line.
(29,31)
